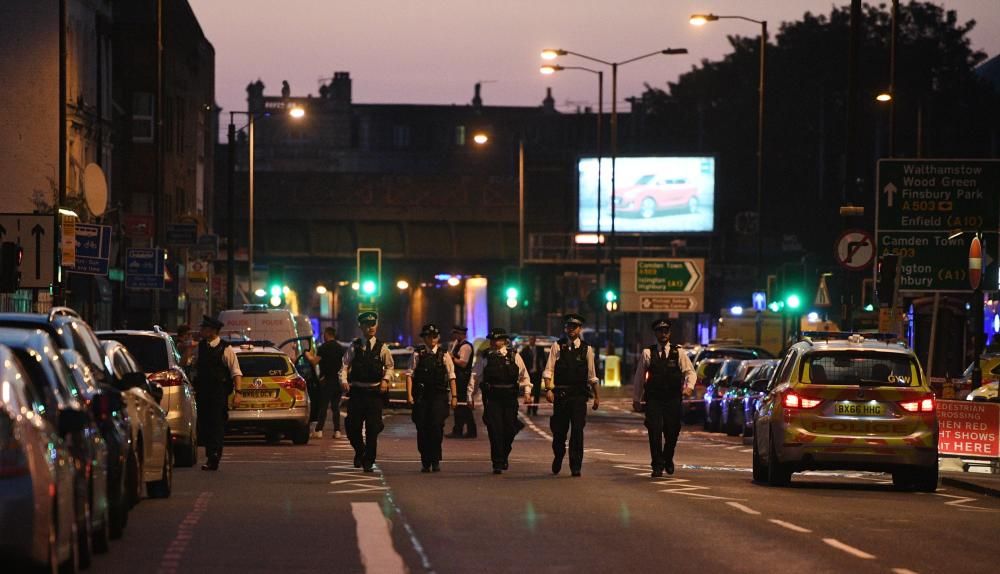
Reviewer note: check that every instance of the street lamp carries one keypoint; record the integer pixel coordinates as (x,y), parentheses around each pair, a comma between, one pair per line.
(402,284)
(482,139)
(701,20)
(295,112)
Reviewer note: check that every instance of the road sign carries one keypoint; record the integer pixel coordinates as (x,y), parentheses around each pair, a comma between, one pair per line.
(855,249)
(920,203)
(657,285)
(67,255)
(182,234)
(969,429)
(198,270)
(144,269)
(822,298)
(36,234)
(93,249)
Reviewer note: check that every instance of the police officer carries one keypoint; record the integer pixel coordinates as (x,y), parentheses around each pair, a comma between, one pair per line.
(461,355)
(569,377)
(218,373)
(499,373)
(427,391)
(365,375)
(329,357)
(662,379)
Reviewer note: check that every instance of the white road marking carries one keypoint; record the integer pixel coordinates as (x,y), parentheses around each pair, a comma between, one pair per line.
(903,571)
(734,447)
(743,508)
(960,503)
(374,540)
(790,526)
(848,549)
(531,425)
(747,450)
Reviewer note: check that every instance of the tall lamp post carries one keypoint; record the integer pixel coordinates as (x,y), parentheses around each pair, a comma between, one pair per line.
(701,20)
(295,112)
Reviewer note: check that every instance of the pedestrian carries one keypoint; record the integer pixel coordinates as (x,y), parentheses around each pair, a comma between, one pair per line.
(529,355)
(569,378)
(218,374)
(366,371)
(330,358)
(662,379)
(500,374)
(427,392)
(461,356)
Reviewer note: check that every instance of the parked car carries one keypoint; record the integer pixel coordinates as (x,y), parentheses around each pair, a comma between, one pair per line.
(51,378)
(37,475)
(161,361)
(738,420)
(715,391)
(401,359)
(731,414)
(731,351)
(694,407)
(850,404)
(986,392)
(271,397)
(153,465)
(652,193)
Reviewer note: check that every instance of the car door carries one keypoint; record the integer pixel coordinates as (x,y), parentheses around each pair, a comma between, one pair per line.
(767,405)
(155,419)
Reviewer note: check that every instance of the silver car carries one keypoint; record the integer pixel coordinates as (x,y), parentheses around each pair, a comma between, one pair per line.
(158,357)
(37,514)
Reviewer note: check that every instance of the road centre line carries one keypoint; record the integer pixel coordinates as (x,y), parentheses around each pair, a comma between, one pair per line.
(374,540)
(848,549)
(789,525)
(743,508)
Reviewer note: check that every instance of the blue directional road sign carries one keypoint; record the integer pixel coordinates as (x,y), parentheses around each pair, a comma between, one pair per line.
(144,269)
(759,300)
(93,249)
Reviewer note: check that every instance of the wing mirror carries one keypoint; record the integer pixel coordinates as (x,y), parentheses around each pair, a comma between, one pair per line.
(157,391)
(132,381)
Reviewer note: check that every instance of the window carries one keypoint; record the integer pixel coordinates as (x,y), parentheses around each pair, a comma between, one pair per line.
(459,135)
(264,365)
(785,369)
(857,368)
(142,117)
(400,136)
(149,350)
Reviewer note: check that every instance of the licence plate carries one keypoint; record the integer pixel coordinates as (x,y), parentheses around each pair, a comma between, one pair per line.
(259,393)
(853,409)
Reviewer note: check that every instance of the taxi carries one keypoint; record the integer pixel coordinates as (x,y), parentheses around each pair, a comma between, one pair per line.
(271,397)
(844,401)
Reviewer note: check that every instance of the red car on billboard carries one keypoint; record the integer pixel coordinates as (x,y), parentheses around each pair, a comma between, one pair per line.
(651,194)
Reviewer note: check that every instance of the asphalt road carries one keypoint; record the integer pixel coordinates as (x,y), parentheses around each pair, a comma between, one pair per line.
(306,509)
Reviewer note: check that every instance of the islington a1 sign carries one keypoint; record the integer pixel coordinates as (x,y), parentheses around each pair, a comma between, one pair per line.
(662,285)
(922,205)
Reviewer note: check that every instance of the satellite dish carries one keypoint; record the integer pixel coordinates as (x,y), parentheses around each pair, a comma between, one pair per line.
(95,189)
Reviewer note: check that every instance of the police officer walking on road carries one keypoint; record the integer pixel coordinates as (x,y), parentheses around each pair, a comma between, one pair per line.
(367,369)
(501,375)
(427,391)
(461,355)
(218,374)
(569,377)
(330,358)
(662,379)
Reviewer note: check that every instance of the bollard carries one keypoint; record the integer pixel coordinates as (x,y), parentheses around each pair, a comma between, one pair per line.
(612,371)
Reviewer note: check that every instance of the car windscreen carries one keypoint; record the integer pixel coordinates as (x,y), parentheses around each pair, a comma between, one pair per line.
(728,354)
(867,368)
(401,361)
(710,369)
(264,365)
(149,350)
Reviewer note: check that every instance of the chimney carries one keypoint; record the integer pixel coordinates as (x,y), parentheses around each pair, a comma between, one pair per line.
(255,97)
(286,90)
(477,99)
(340,88)
(549,103)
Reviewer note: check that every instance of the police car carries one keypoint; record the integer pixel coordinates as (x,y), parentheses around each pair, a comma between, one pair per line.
(844,401)
(401,359)
(271,398)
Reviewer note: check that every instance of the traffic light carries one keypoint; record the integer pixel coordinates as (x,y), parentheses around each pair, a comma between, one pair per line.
(370,271)
(512,296)
(793,301)
(885,288)
(611,299)
(276,288)
(10,267)
(512,286)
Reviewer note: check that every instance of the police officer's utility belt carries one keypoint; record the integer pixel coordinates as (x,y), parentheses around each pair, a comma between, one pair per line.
(361,385)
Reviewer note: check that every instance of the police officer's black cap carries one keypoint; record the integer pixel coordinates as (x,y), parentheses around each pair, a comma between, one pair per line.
(460,329)
(498,333)
(367,317)
(573,319)
(661,324)
(212,322)
(430,330)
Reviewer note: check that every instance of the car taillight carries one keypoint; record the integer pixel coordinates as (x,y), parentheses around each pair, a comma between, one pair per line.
(921,406)
(794,401)
(168,378)
(295,382)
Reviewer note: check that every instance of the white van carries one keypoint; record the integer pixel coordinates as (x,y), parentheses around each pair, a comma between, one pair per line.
(259,323)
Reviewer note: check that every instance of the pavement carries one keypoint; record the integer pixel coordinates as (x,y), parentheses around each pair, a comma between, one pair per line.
(306,509)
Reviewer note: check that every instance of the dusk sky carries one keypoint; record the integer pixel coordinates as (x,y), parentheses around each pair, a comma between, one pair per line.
(433,51)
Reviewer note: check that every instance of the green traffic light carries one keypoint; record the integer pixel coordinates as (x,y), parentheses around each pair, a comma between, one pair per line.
(275,290)
(610,296)
(368,287)
(774,306)
(512,292)
(793,301)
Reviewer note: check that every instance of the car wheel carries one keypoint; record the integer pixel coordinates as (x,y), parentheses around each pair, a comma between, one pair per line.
(926,479)
(52,563)
(647,208)
(72,564)
(119,506)
(693,205)
(133,480)
(84,536)
(102,536)
(186,453)
(778,474)
(301,435)
(273,437)
(716,415)
(733,429)
(759,470)
(706,424)
(161,488)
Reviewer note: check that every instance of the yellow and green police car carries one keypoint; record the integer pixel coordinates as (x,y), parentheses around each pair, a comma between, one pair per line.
(848,402)
(271,398)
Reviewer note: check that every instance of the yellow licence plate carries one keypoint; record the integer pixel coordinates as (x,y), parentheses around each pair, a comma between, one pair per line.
(854,409)
(259,393)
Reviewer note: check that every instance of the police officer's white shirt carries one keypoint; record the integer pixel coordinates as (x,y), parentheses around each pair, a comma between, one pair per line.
(449,365)
(385,356)
(683,362)
(554,351)
(229,356)
(464,353)
(523,380)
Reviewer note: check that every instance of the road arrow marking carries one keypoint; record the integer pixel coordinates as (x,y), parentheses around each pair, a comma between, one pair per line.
(890,191)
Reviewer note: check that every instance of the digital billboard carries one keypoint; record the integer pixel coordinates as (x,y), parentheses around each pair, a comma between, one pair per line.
(652,195)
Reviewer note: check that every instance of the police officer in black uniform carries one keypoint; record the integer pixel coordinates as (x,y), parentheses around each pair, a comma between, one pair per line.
(569,378)
(501,375)
(427,391)
(662,379)
(461,355)
(367,369)
(218,373)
